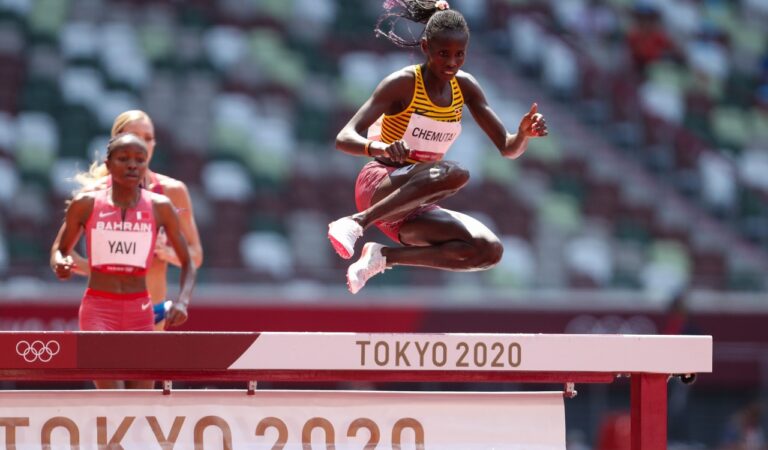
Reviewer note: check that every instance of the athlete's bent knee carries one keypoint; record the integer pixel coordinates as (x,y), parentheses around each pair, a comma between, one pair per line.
(445,176)
(488,253)
(452,174)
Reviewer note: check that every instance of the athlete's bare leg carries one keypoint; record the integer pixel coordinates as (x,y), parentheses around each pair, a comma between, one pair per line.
(408,189)
(439,238)
(119,384)
(445,239)
(109,384)
(403,191)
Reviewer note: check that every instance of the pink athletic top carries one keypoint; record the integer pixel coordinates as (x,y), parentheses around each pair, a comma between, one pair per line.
(121,246)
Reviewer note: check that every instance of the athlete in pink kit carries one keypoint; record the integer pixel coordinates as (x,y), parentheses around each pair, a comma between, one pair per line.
(407,126)
(139,123)
(121,224)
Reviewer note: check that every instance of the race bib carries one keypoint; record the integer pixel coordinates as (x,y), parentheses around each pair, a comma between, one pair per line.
(430,139)
(118,247)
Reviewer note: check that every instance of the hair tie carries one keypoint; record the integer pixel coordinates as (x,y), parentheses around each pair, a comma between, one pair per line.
(442,5)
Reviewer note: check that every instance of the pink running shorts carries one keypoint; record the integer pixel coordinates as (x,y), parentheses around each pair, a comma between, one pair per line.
(106,311)
(371,175)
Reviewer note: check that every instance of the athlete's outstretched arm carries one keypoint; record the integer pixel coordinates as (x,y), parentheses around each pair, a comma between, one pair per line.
(79,264)
(166,217)
(179,195)
(510,145)
(78,212)
(388,98)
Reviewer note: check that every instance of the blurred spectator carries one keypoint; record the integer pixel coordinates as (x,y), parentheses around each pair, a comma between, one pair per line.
(576,440)
(614,432)
(744,430)
(679,321)
(647,40)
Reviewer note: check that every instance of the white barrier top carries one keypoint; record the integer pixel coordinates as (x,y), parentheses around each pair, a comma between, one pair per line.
(353,352)
(479,352)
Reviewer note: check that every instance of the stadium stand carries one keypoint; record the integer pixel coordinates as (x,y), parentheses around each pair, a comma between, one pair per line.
(670,131)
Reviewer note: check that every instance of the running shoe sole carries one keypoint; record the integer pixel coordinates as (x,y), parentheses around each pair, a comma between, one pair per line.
(339,247)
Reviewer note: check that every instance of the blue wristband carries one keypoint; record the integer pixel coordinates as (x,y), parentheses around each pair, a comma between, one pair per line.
(160,310)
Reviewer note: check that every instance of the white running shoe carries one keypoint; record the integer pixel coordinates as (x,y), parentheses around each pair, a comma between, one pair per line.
(371,263)
(343,234)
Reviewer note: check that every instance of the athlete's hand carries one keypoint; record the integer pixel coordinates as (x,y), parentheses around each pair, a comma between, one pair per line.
(177,315)
(533,123)
(397,151)
(165,252)
(63,267)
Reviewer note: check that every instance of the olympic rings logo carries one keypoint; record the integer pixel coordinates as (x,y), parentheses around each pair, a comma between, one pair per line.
(37,350)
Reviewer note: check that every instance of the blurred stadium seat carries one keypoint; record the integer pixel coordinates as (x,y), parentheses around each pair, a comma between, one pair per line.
(247,98)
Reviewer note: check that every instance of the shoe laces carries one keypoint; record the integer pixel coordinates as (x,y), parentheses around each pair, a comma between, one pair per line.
(353,231)
(379,262)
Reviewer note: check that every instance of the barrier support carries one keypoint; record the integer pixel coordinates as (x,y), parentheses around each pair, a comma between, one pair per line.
(648,404)
(562,359)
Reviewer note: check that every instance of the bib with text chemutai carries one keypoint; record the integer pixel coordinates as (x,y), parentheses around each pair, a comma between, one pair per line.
(430,139)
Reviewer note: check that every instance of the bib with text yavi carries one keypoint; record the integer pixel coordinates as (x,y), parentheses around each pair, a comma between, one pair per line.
(430,139)
(121,243)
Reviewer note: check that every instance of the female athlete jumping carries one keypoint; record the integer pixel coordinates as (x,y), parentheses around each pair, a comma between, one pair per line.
(411,120)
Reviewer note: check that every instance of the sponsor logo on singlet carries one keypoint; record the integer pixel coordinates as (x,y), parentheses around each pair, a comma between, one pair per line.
(123,226)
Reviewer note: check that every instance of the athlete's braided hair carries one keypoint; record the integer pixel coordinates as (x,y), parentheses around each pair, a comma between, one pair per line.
(430,12)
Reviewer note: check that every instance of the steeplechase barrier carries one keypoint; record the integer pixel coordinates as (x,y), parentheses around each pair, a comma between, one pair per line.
(196,418)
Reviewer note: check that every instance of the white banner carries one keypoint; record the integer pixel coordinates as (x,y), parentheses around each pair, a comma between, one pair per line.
(289,420)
